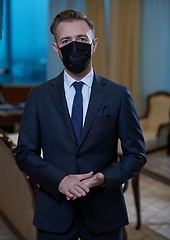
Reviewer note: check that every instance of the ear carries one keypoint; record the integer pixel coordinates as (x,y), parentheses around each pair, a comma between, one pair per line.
(56,49)
(94,44)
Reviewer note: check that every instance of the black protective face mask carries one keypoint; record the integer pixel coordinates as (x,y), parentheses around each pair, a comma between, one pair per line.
(76,56)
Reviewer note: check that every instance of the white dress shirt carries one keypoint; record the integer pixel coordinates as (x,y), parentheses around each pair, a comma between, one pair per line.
(70,91)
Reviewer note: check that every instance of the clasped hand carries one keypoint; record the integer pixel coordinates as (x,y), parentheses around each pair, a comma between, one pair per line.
(76,186)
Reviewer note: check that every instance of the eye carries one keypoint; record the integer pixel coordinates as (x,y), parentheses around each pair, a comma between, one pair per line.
(65,41)
(82,39)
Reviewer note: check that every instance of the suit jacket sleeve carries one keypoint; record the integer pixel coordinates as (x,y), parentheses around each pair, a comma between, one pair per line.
(132,143)
(28,152)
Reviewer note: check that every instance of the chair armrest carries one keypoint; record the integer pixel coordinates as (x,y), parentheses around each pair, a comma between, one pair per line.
(7,141)
(163,128)
(163,134)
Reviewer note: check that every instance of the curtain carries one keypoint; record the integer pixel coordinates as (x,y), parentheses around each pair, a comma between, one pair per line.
(95,11)
(117,55)
(124,45)
(155,47)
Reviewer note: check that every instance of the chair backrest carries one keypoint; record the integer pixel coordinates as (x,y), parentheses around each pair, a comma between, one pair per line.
(2,99)
(158,110)
(17,202)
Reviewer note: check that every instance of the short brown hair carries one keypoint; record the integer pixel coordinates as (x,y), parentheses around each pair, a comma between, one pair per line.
(69,15)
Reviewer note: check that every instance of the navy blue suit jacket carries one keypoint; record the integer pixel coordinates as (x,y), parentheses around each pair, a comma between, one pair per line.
(46,125)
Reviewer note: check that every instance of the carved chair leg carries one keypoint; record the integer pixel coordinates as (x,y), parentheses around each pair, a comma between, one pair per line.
(124,237)
(135,186)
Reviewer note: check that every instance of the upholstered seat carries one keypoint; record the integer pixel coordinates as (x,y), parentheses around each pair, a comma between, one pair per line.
(17,201)
(156,122)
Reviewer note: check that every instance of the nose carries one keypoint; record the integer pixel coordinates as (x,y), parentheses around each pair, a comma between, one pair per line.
(74,45)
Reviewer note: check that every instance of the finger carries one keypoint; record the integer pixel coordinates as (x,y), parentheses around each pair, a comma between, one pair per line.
(79,190)
(84,186)
(68,194)
(94,181)
(72,194)
(75,193)
(99,179)
(99,176)
(73,198)
(84,176)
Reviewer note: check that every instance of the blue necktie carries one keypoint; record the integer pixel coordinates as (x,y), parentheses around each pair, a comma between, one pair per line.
(77,110)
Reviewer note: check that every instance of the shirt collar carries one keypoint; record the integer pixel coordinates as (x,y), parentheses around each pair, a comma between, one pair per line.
(87,80)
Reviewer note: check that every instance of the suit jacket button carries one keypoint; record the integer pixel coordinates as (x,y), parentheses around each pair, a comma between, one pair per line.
(77,155)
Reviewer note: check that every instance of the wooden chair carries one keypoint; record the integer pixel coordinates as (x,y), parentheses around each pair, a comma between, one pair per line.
(18,193)
(135,188)
(2,99)
(155,123)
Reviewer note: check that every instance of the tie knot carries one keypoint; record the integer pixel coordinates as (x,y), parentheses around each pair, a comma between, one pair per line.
(78,85)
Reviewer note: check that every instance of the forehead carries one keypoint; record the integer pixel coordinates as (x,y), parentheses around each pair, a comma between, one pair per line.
(74,27)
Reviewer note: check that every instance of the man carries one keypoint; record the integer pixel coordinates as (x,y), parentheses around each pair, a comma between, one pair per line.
(77,126)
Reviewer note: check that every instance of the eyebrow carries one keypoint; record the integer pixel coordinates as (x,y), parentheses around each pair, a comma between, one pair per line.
(82,35)
(68,37)
(64,38)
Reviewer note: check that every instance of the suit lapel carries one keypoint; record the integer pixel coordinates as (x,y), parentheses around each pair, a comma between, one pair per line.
(97,97)
(58,96)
